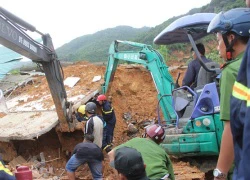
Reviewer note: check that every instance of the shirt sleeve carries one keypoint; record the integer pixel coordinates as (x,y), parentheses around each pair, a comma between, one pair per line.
(170,167)
(89,126)
(226,87)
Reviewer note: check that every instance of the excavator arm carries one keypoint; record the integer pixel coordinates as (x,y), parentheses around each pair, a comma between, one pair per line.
(151,60)
(12,36)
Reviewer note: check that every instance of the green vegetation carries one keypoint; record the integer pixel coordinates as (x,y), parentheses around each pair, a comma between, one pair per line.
(94,47)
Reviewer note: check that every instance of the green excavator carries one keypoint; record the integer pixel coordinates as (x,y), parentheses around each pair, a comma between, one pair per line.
(191,117)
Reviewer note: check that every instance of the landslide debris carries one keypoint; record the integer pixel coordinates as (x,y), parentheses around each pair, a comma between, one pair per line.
(134,99)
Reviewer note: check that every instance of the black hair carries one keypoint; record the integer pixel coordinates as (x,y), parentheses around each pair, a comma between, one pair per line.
(243,39)
(200,48)
(89,137)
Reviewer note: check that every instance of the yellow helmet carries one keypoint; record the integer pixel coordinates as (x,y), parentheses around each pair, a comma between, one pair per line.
(81,109)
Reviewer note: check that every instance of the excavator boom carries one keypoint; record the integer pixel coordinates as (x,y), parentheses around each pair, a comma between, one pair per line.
(12,36)
(152,61)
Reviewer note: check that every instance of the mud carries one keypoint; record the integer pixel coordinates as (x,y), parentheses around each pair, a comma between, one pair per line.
(132,92)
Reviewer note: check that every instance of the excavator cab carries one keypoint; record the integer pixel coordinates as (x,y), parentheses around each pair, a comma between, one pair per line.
(198,127)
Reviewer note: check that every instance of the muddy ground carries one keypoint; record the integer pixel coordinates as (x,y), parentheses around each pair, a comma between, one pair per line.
(132,91)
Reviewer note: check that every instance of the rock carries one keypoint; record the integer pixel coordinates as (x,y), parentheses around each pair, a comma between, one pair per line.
(132,128)
(127,116)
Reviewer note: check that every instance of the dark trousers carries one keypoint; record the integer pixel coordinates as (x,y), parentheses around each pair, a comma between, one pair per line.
(108,133)
(104,138)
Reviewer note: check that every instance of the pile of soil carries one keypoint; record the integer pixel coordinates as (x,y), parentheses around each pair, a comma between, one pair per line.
(132,92)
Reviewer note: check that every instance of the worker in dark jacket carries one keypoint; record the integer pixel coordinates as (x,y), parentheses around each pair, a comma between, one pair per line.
(240,108)
(190,78)
(108,114)
(86,152)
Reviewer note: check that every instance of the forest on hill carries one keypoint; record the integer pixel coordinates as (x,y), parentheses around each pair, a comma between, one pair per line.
(94,47)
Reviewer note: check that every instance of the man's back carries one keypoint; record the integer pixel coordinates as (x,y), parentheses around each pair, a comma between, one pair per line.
(94,126)
(108,112)
(190,78)
(88,151)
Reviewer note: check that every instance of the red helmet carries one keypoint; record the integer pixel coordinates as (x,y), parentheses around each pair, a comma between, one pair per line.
(101,97)
(156,133)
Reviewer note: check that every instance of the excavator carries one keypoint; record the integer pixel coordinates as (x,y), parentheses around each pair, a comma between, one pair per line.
(191,117)
(12,36)
(21,126)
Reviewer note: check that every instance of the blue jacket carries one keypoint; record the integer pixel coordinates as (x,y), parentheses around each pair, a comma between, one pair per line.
(108,113)
(240,119)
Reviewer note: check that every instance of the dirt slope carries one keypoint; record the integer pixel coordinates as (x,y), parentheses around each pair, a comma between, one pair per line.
(132,92)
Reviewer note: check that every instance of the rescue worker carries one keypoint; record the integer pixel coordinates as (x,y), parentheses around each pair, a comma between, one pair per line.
(86,152)
(109,117)
(158,164)
(191,75)
(240,111)
(80,114)
(94,125)
(5,173)
(232,28)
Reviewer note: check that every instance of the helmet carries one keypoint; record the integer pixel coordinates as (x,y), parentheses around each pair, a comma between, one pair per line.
(156,133)
(236,20)
(101,97)
(91,107)
(81,109)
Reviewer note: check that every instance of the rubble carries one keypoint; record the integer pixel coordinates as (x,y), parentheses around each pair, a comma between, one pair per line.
(131,91)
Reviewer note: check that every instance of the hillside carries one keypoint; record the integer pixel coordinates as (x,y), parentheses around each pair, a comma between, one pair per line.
(94,47)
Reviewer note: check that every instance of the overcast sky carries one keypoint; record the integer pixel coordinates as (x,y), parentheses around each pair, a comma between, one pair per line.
(66,20)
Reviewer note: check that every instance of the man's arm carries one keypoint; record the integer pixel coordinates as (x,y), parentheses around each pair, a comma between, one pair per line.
(170,167)
(111,155)
(226,156)
(189,77)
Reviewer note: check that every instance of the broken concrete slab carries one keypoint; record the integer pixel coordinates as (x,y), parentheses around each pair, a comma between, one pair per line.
(96,78)
(71,81)
(26,125)
(11,82)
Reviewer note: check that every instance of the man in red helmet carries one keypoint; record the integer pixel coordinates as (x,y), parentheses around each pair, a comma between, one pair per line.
(108,114)
(158,164)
